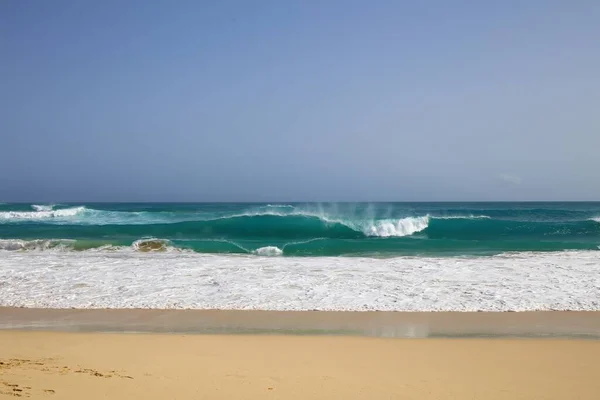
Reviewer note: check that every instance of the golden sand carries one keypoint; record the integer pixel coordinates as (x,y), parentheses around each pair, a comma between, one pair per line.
(54,365)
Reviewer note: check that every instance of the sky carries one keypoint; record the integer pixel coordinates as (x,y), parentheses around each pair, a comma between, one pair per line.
(328,100)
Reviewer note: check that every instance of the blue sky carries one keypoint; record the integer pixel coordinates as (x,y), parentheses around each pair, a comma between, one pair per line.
(299,100)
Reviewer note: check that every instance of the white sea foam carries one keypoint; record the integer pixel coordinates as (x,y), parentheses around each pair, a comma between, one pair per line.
(509,282)
(258,213)
(268,251)
(69,245)
(42,207)
(401,227)
(36,245)
(42,214)
(13,244)
(597,219)
(87,216)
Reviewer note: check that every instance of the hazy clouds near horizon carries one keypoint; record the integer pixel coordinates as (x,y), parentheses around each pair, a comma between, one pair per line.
(266,100)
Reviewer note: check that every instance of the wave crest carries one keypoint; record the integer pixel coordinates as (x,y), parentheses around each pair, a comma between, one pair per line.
(42,207)
(269,251)
(39,244)
(41,213)
(395,228)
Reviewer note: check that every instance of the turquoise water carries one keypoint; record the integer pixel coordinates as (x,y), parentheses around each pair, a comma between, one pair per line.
(305,229)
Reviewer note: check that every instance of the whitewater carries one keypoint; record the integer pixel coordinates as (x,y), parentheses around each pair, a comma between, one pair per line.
(510,282)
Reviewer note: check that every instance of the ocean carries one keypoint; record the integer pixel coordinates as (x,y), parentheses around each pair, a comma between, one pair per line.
(302,256)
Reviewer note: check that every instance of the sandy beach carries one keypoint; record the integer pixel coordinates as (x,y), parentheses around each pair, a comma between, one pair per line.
(62,365)
(125,354)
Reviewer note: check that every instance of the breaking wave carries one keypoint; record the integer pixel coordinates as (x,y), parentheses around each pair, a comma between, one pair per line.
(38,244)
(296,230)
(268,251)
(40,213)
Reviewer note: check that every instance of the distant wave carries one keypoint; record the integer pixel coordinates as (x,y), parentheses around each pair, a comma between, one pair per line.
(41,213)
(81,215)
(90,223)
(42,207)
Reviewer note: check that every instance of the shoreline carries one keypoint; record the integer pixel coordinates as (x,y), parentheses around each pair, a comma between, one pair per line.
(528,324)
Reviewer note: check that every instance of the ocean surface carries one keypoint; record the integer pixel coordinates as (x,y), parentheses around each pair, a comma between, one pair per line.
(374,230)
(302,256)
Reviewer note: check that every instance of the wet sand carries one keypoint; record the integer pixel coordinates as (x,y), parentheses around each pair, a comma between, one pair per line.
(67,365)
(570,324)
